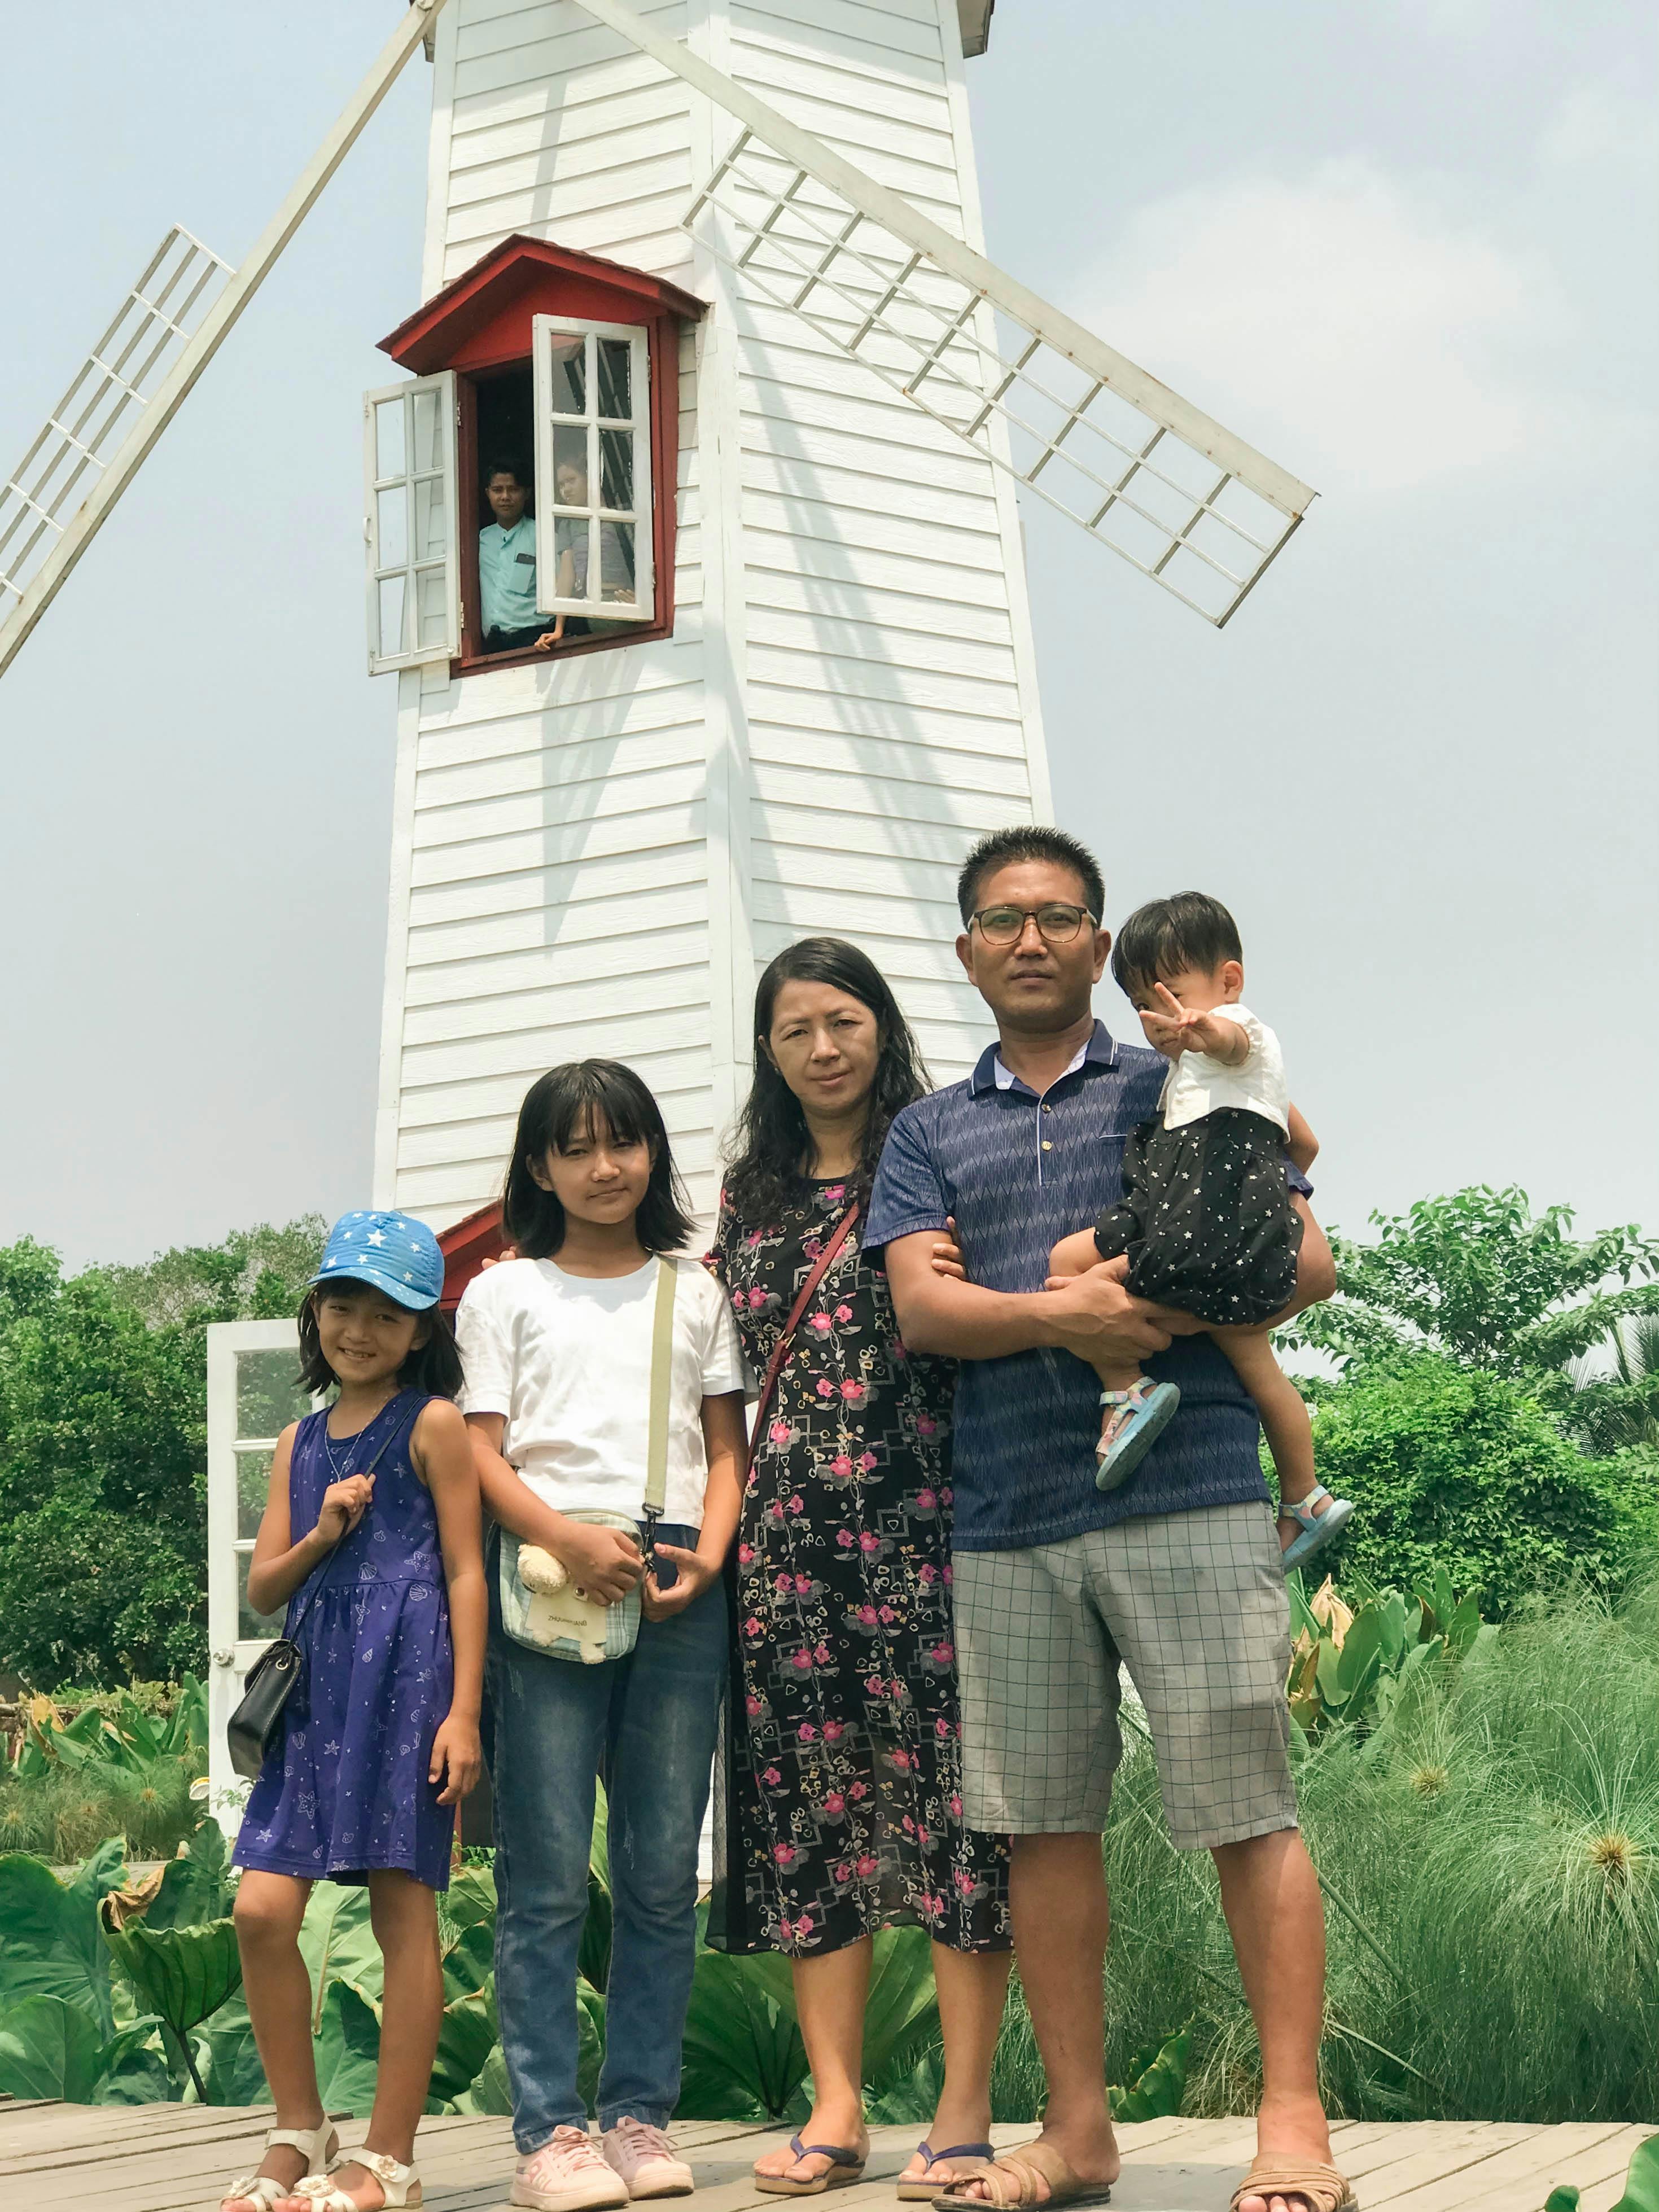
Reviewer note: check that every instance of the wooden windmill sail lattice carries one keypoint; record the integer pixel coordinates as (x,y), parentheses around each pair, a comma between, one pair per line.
(1140,469)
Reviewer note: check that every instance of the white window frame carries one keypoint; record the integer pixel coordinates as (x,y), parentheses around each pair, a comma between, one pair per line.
(417,563)
(642,607)
(231,1653)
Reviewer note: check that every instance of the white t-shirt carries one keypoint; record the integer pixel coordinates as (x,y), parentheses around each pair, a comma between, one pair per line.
(568,1359)
(1196,1085)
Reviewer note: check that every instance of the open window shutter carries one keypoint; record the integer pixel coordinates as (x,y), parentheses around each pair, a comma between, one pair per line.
(414,567)
(593,413)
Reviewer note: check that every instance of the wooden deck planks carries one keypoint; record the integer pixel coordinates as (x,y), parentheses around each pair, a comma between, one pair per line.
(179,2158)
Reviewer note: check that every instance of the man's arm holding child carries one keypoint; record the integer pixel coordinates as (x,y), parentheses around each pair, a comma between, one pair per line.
(606,1561)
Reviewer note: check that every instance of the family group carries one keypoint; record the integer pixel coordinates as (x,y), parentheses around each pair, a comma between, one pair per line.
(854,1520)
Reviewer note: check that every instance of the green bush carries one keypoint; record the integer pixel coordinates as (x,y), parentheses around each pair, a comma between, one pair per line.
(1460,1466)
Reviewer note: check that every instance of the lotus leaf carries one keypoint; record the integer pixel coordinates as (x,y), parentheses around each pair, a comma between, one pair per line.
(184,1975)
(1642,2182)
(465,2038)
(336,1940)
(348,2050)
(49,2048)
(490,2091)
(49,1941)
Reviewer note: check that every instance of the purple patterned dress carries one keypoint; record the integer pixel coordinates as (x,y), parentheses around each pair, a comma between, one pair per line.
(345,1790)
(841,1811)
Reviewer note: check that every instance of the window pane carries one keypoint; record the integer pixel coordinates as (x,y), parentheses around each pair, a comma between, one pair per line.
(617,560)
(431,520)
(617,469)
(616,361)
(570,468)
(571,540)
(432,602)
(389,438)
(429,452)
(569,379)
(251,1626)
(392,614)
(268,1397)
(391,527)
(253,1487)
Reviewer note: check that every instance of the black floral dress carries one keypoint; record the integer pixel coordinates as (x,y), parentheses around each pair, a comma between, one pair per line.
(841,1811)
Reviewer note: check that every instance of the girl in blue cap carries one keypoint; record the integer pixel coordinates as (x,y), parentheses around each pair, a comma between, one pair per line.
(371,1537)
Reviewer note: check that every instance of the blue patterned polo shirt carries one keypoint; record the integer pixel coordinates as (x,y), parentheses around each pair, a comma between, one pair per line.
(1017,1172)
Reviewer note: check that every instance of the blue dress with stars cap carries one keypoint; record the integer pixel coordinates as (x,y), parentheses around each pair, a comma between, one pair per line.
(343,1790)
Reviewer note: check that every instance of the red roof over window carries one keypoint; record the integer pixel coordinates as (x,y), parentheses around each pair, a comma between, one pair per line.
(485,316)
(466,1247)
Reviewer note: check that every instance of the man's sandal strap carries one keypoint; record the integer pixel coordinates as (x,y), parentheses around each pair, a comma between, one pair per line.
(1012,2183)
(1320,2188)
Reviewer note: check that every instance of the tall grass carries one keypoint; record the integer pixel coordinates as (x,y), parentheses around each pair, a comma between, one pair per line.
(1491,1865)
(65,1816)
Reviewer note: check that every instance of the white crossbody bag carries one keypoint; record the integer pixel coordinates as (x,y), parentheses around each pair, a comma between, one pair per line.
(541,1607)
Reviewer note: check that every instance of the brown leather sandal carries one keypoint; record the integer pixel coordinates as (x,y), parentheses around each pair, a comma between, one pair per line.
(1320,2188)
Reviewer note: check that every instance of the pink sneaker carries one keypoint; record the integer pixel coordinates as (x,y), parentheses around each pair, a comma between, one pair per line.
(566,2174)
(646,2160)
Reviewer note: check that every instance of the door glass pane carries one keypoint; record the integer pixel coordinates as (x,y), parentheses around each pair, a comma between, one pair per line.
(251,1625)
(430,520)
(392,614)
(570,468)
(428,451)
(268,1395)
(569,383)
(392,525)
(432,601)
(252,1488)
(616,577)
(617,469)
(616,362)
(389,438)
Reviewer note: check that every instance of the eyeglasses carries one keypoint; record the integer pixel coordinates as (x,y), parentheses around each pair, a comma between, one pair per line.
(1057,924)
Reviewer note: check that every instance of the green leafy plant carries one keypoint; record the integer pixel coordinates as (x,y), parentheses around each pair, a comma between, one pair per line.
(1353,1666)
(1641,2192)
(51,2048)
(48,1940)
(184,1974)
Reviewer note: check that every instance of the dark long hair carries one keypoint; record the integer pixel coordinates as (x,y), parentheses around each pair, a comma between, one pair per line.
(434,1366)
(769,1149)
(558,1106)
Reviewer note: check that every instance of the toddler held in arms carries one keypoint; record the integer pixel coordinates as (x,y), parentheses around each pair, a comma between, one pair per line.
(1205,1218)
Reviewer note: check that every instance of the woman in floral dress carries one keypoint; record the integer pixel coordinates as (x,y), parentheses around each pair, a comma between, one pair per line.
(841,1807)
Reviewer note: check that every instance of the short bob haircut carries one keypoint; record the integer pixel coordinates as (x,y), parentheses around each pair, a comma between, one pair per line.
(433,1365)
(769,1150)
(1191,930)
(509,465)
(1029,841)
(561,1106)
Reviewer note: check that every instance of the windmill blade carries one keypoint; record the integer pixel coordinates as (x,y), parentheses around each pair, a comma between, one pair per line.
(1140,469)
(54,505)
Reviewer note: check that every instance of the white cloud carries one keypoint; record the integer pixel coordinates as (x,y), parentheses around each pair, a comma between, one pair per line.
(1599,123)
(1342,323)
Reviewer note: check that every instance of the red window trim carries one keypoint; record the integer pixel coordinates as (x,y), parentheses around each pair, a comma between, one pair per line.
(662,338)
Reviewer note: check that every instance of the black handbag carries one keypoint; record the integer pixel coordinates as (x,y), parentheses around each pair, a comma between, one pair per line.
(277,1671)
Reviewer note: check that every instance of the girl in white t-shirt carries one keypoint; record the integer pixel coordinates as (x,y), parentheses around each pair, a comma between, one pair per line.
(558,1346)
(1205,1218)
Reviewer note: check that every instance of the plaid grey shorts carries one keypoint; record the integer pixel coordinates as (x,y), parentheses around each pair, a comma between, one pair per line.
(1193,1604)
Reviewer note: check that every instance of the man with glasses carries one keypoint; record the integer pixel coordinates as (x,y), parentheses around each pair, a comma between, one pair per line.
(1177,1572)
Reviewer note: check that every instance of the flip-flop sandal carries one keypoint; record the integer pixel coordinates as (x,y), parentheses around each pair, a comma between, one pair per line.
(1317,1528)
(1320,2188)
(846,2166)
(919,2190)
(1025,2168)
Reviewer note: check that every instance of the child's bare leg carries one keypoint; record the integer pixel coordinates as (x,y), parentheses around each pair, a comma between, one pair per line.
(1284,1414)
(1075,1255)
(404,1916)
(278,1988)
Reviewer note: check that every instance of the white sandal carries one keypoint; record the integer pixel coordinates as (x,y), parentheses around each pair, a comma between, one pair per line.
(263,2189)
(396,2182)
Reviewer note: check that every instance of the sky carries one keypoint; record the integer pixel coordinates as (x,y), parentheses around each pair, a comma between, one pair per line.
(1406,250)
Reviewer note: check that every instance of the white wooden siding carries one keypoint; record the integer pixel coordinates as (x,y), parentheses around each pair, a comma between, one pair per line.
(587,855)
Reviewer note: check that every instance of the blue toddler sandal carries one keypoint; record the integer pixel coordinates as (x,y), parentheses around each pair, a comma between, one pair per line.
(1138,1417)
(1317,1528)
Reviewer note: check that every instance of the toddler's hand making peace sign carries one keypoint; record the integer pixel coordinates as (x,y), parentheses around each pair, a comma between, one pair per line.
(1172,1028)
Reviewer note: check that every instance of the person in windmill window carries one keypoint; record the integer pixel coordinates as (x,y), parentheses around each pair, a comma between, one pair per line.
(506,564)
(573,539)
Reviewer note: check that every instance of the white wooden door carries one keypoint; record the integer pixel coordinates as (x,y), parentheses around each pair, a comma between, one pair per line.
(251,1396)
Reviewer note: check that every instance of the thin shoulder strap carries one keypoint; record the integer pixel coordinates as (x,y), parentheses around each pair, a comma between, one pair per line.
(662,1378)
(827,1256)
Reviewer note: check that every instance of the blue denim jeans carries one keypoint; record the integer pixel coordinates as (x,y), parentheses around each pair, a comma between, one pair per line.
(647,1724)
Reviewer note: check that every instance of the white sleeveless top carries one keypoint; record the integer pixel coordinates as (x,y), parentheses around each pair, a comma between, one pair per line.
(1197,1084)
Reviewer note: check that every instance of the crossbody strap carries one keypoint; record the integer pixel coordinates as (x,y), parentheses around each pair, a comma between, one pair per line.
(313,1583)
(820,1268)
(662,1382)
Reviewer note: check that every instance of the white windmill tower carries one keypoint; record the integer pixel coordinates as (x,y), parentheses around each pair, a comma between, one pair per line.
(724,258)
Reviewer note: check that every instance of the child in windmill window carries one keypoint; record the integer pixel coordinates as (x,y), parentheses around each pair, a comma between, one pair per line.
(573,539)
(559,1343)
(371,1537)
(1205,1218)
